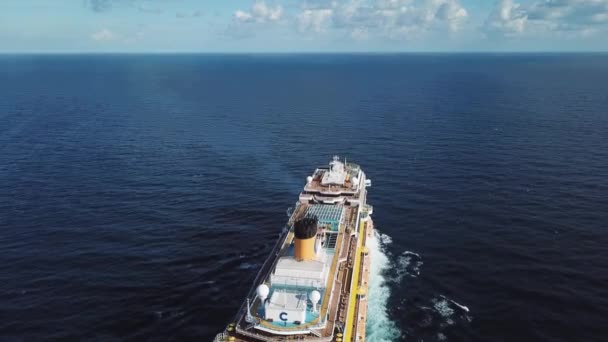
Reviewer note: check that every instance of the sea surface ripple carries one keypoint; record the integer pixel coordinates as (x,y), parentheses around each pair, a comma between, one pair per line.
(139,194)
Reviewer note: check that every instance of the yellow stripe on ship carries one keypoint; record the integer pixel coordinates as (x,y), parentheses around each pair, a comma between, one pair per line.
(350,320)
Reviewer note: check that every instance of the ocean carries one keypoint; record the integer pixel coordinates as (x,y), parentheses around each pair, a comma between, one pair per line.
(140,194)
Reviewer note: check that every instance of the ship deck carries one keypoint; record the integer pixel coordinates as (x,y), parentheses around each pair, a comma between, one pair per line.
(347,308)
(316,185)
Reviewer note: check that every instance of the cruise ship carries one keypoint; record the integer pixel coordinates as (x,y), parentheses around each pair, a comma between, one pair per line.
(314,284)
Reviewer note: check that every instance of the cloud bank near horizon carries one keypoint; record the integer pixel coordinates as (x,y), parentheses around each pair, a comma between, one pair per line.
(308,25)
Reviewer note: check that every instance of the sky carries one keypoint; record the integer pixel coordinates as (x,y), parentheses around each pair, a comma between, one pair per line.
(134,26)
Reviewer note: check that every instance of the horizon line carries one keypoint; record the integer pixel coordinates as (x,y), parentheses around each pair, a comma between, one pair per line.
(489,52)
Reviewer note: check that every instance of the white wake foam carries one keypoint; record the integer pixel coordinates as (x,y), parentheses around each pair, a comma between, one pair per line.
(385,239)
(447,307)
(442,306)
(408,264)
(379,327)
(463,307)
(411,253)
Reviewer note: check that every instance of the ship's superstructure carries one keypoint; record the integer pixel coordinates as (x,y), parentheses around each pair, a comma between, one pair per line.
(314,284)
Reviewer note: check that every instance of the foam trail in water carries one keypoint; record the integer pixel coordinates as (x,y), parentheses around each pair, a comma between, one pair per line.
(379,327)
(463,307)
(442,307)
(411,253)
(385,239)
(408,264)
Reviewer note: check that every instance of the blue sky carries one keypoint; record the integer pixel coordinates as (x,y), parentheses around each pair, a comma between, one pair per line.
(302,26)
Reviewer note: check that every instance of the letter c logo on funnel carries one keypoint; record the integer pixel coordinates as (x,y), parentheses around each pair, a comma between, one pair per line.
(283,316)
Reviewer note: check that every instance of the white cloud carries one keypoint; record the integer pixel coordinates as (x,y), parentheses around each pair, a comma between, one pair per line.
(507,18)
(362,19)
(453,14)
(259,13)
(560,18)
(242,16)
(571,12)
(103,35)
(260,10)
(392,19)
(600,17)
(315,20)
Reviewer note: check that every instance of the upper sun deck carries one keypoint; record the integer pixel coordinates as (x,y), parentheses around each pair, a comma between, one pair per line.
(340,178)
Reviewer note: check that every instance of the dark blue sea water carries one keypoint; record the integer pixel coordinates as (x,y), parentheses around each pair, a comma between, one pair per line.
(139,194)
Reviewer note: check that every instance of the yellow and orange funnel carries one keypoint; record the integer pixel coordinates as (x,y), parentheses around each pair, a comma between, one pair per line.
(305,231)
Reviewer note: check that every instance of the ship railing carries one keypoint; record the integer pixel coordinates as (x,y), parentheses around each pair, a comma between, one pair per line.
(220,337)
(261,272)
(261,337)
(277,328)
(332,272)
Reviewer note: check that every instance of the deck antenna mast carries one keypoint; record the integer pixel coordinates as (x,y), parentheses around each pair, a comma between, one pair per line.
(249,317)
